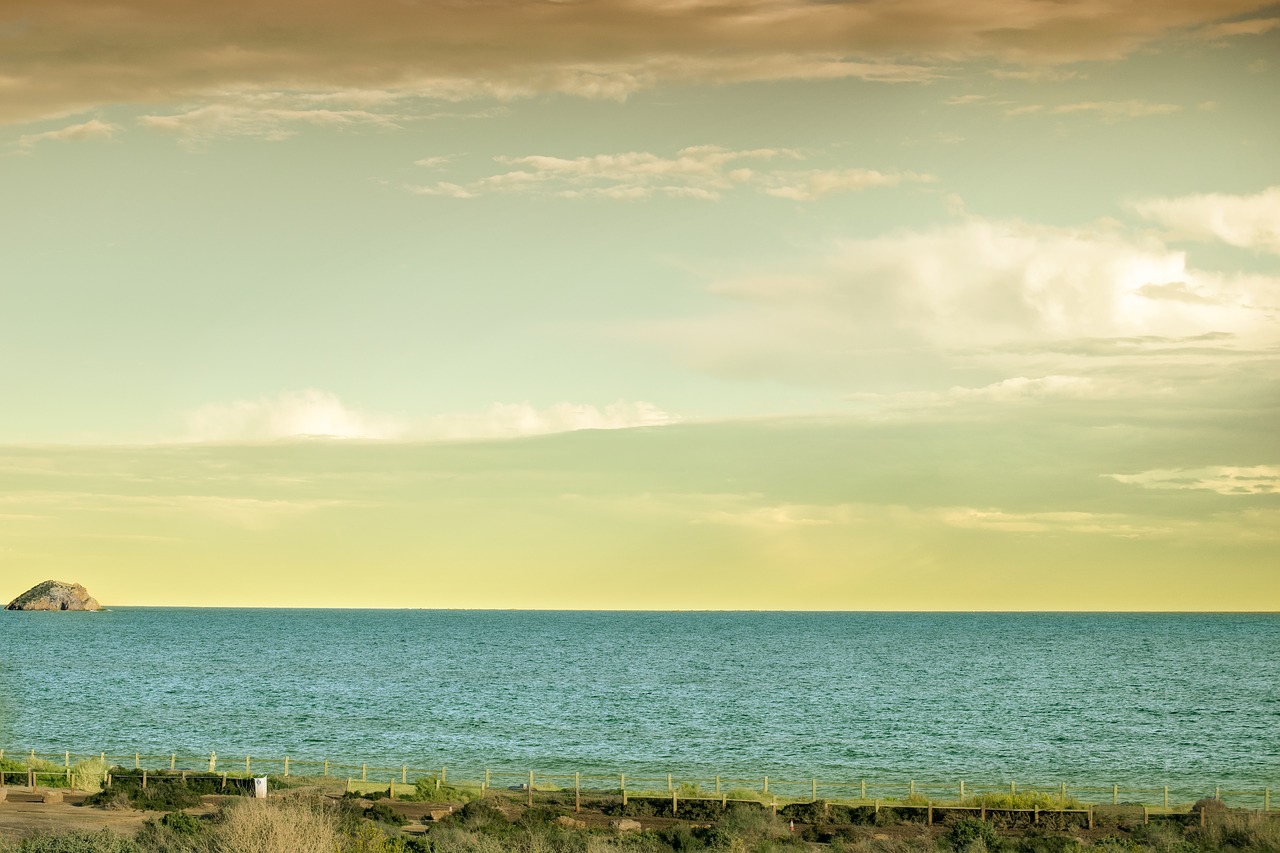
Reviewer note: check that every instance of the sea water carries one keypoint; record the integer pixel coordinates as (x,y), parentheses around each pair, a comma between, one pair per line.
(1137,700)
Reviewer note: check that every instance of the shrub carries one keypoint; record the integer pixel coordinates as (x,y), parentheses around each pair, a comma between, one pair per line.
(385,814)
(181,823)
(275,826)
(968,830)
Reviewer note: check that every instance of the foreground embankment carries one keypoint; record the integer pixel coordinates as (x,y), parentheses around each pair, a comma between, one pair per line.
(183,811)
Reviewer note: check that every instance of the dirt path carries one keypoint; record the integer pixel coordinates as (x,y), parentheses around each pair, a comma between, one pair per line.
(23,813)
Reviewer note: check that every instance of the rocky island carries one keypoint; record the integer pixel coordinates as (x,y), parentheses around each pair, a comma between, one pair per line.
(55,595)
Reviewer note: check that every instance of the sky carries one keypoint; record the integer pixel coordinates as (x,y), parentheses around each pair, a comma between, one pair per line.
(673,304)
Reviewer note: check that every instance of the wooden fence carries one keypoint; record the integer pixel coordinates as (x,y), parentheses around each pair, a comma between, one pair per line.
(60,770)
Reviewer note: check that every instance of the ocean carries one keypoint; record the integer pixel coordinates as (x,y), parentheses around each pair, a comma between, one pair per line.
(1191,701)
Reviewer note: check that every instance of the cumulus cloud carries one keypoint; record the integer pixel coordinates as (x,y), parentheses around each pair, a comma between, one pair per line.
(1225,480)
(162,53)
(909,309)
(1247,221)
(309,413)
(89,130)
(321,414)
(698,172)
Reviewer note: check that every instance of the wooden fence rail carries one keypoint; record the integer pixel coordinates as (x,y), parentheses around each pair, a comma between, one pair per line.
(59,769)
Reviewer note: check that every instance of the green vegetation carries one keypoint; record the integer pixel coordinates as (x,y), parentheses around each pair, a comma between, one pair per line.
(297,822)
(428,789)
(165,790)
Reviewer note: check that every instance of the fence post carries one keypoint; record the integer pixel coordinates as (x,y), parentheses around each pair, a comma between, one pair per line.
(404,774)
(173,761)
(766,784)
(669,788)
(622,778)
(101,756)
(286,765)
(364,772)
(1217,793)
(530,789)
(137,763)
(326,767)
(673,803)
(962,790)
(66,759)
(213,762)
(1115,795)
(246,766)
(1013,788)
(931,813)
(717,783)
(68,777)
(1091,815)
(864,789)
(144,780)
(444,775)
(911,789)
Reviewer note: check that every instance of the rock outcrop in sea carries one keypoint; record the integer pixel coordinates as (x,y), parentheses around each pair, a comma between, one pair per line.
(55,595)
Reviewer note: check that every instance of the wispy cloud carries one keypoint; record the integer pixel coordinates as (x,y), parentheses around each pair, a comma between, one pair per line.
(1247,221)
(510,48)
(271,123)
(698,172)
(1225,480)
(1107,110)
(94,129)
(321,414)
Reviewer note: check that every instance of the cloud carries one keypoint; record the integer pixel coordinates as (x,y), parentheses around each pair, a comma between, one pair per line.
(816,183)
(75,54)
(1247,27)
(512,420)
(89,130)
(988,300)
(309,413)
(1247,221)
(1225,480)
(698,172)
(321,414)
(271,123)
(1108,110)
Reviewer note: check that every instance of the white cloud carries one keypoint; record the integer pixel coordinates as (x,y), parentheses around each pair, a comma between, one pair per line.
(1247,221)
(308,413)
(699,172)
(320,414)
(816,183)
(1225,480)
(270,123)
(1009,299)
(92,129)
(511,420)
(1109,110)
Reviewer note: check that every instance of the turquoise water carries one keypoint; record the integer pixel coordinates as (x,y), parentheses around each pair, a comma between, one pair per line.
(1190,701)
